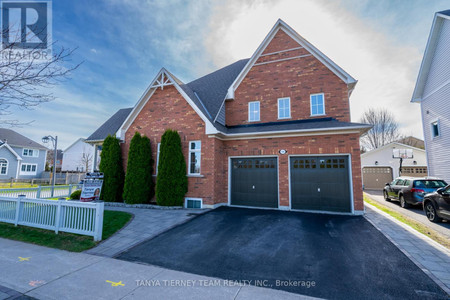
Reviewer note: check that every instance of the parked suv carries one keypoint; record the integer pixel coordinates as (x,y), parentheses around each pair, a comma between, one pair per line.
(437,205)
(411,190)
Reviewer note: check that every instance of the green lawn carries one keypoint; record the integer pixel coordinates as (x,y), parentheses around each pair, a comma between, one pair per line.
(425,230)
(112,221)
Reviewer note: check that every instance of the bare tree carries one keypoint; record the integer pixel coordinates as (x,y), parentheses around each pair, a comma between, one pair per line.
(25,78)
(384,131)
(86,161)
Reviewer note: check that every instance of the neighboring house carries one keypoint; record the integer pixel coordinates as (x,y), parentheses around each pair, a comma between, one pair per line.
(20,157)
(78,157)
(110,127)
(59,159)
(432,91)
(272,131)
(379,167)
(412,141)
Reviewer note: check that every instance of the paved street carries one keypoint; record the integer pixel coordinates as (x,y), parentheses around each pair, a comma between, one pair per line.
(146,223)
(415,212)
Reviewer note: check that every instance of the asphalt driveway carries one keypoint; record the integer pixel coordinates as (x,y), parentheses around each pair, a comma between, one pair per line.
(335,257)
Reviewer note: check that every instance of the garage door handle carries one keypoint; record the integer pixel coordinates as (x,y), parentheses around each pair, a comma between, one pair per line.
(318,189)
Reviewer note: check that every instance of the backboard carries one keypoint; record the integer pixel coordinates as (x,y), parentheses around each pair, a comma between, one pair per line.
(402,153)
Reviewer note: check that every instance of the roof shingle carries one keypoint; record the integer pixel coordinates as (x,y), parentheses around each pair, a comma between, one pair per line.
(16,139)
(111,126)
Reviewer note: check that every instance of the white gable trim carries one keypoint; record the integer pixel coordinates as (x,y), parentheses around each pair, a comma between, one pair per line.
(368,153)
(5,145)
(425,66)
(281,25)
(163,78)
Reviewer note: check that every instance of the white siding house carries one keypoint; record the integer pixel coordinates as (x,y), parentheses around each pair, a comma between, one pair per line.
(379,167)
(432,91)
(78,157)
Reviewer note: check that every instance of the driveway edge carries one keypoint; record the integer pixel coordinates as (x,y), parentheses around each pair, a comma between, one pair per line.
(412,256)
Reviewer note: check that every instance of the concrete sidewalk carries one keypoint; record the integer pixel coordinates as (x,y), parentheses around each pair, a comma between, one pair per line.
(428,255)
(145,224)
(46,273)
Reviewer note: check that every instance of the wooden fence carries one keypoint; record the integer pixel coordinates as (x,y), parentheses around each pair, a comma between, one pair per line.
(84,218)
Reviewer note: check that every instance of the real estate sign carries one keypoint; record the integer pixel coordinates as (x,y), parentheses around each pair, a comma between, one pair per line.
(92,186)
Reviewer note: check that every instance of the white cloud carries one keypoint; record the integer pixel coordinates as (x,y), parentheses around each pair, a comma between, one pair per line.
(386,71)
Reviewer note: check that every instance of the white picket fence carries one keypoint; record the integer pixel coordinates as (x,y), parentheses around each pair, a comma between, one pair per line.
(41,192)
(84,218)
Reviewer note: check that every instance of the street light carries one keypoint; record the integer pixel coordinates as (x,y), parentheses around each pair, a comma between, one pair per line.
(54,140)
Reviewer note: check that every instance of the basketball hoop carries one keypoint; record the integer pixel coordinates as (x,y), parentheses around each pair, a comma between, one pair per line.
(402,154)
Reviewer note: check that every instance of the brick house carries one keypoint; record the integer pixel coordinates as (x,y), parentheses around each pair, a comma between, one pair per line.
(272,131)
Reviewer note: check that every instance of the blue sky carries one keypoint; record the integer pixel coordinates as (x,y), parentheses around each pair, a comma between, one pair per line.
(124,43)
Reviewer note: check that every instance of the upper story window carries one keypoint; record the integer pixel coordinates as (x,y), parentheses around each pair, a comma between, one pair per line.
(435,129)
(195,157)
(253,111)
(30,152)
(284,108)
(317,105)
(28,169)
(3,166)
(157,157)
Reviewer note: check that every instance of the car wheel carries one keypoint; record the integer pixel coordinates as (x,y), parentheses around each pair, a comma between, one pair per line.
(430,211)
(403,203)
(386,197)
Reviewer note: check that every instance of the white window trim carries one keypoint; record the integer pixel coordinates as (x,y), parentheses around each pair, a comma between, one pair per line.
(438,126)
(200,158)
(35,152)
(259,111)
(7,166)
(191,198)
(310,104)
(157,157)
(284,98)
(26,172)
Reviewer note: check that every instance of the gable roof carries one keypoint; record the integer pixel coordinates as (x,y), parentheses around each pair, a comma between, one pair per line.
(389,145)
(430,49)
(281,25)
(110,127)
(83,140)
(15,139)
(211,90)
(6,146)
(207,94)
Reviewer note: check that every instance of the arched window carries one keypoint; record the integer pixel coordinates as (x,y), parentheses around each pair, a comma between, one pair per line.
(3,166)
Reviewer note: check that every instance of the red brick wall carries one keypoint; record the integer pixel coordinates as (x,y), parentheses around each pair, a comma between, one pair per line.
(167,109)
(295,78)
(320,144)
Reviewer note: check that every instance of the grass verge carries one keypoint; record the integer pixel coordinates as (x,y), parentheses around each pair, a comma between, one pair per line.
(425,230)
(112,222)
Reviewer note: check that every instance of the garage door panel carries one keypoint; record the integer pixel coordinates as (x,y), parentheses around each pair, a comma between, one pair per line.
(376,177)
(320,183)
(254,182)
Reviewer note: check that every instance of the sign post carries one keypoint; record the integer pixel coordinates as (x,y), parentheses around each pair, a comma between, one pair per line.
(92,187)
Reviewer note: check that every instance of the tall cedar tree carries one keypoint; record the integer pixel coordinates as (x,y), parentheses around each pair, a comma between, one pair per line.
(171,182)
(111,166)
(139,187)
